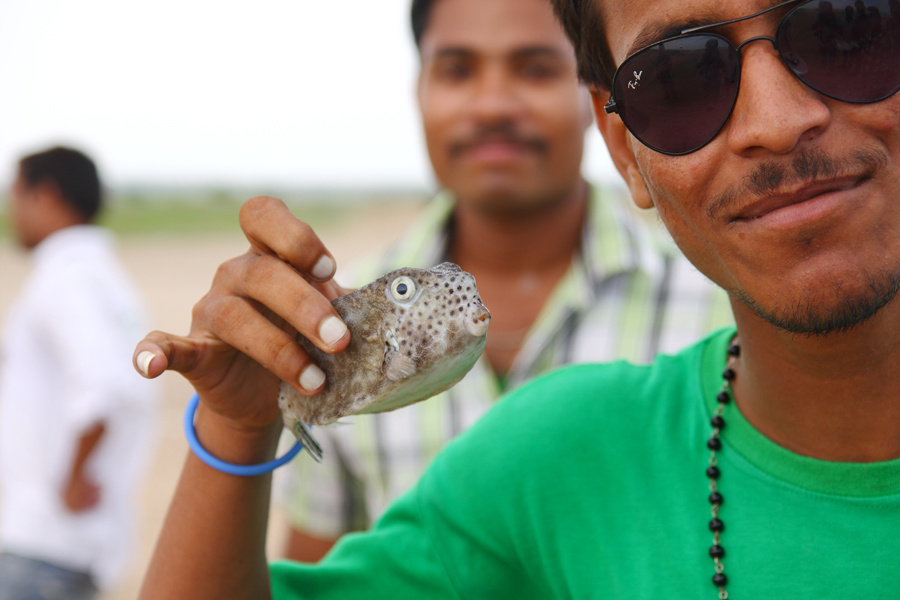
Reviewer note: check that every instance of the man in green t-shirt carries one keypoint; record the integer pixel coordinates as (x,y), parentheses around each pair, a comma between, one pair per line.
(762,462)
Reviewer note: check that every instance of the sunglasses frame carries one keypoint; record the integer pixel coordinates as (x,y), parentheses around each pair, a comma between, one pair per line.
(612,106)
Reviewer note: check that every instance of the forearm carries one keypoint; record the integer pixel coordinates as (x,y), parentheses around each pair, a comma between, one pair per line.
(87,443)
(303,547)
(80,492)
(241,346)
(213,541)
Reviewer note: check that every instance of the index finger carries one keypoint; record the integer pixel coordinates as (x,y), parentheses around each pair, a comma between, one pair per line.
(271,228)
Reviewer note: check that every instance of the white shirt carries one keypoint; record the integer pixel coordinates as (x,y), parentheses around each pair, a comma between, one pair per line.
(65,365)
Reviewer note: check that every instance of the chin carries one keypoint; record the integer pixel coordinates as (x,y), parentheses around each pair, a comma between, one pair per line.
(513,199)
(511,209)
(838,310)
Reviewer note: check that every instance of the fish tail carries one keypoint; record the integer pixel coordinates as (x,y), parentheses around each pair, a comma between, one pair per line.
(303,433)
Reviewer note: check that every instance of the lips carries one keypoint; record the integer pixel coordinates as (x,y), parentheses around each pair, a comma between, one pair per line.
(496,147)
(496,150)
(772,204)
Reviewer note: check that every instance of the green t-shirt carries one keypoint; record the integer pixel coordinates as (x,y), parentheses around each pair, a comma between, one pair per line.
(590,483)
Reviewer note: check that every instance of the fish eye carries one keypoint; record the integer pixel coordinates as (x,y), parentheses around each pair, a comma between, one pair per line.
(403,288)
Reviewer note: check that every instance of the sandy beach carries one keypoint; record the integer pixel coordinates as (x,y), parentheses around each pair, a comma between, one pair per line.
(173,273)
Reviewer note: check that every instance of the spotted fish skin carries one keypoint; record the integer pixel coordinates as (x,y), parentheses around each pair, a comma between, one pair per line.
(413,334)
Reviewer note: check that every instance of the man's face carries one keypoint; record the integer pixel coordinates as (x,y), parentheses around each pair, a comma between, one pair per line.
(25,213)
(503,113)
(795,206)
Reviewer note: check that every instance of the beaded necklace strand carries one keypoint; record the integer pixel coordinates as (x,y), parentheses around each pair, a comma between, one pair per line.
(716,551)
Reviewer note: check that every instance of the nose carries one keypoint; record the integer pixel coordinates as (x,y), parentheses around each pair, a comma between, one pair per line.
(494,96)
(774,110)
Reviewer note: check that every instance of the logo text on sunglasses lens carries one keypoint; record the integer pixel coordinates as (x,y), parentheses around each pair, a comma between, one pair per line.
(636,81)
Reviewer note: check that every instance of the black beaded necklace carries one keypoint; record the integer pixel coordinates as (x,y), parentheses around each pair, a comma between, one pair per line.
(716,551)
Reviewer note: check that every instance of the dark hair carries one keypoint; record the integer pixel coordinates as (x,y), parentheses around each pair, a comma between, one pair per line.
(420,13)
(73,173)
(583,24)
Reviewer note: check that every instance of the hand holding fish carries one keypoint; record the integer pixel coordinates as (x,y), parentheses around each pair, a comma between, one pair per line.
(242,339)
(412,334)
(240,346)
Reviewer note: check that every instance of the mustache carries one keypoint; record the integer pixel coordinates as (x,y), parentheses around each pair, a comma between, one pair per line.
(807,167)
(506,132)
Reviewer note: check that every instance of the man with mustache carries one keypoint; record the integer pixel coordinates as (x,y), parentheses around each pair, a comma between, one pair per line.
(761,462)
(568,272)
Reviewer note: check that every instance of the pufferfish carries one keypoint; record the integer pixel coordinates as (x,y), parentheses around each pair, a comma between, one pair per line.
(413,333)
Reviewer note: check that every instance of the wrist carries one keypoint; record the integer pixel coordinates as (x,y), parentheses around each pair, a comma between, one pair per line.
(234,442)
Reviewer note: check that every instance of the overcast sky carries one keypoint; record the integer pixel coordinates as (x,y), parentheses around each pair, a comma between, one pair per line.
(295,93)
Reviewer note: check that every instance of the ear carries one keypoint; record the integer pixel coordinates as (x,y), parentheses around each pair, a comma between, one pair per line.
(49,199)
(420,86)
(585,106)
(619,142)
(47,194)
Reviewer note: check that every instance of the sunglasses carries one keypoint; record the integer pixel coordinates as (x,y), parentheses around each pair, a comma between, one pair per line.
(676,95)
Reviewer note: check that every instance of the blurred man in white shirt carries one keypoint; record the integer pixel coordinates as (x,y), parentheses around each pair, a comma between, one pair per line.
(74,421)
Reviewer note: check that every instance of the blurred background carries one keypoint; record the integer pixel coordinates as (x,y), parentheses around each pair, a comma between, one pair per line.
(190,107)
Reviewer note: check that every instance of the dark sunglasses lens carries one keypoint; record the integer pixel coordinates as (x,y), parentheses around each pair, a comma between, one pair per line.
(846,49)
(675,96)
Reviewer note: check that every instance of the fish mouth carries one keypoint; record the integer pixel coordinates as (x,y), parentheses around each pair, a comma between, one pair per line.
(478,317)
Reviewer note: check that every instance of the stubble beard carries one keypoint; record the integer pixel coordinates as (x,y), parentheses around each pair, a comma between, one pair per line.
(813,317)
(844,307)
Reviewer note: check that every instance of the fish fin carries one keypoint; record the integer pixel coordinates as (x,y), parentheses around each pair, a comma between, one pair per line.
(304,435)
(398,366)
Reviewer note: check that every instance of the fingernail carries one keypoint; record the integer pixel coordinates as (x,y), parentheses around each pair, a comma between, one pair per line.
(331,330)
(311,378)
(324,268)
(143,361)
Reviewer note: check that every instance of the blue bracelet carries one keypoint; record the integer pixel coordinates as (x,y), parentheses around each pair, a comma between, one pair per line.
(221,465)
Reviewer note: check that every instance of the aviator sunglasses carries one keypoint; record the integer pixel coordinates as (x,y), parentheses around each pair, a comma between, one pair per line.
(676,95)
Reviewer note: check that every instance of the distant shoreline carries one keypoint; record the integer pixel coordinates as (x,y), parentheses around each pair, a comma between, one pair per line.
(216,213)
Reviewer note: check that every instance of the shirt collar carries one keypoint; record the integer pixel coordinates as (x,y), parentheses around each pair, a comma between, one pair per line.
(424,245)
(613,241)
(64,240)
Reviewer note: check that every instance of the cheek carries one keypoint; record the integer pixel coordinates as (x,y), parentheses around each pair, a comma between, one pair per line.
(680,187)
(435,128)
(17,213)
(562,117)
(889,115)
(566,141)
(882,119)
(553,109)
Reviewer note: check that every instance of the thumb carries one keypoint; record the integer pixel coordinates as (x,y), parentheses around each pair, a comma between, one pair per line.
(160,351)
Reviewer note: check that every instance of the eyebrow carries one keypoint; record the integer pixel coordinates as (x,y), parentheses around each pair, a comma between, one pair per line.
(518,53)
(538,52)
(656,32)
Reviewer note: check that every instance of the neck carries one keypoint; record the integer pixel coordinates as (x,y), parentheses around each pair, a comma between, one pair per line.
(505,242)
(834,397)
(517,261)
